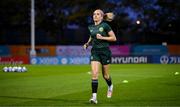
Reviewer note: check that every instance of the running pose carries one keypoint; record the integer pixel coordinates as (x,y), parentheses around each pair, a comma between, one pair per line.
(100,36)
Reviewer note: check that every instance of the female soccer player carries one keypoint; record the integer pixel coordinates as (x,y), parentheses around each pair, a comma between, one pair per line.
(100,36)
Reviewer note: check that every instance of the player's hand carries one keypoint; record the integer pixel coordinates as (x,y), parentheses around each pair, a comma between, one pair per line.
(99,36)
(85,46)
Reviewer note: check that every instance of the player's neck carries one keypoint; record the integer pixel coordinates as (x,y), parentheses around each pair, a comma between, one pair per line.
(97,22)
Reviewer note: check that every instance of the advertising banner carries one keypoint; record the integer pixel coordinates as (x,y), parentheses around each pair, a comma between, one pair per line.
(21,50)
(130,59)
(149,50)
(120,50)
(174,49)
(60,60)
(14,60)
(4,51)
(79,51)
(165,59)
(114,60)
(154,59)
(72,51)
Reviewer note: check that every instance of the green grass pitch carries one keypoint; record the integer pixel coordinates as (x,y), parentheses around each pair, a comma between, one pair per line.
(70,85)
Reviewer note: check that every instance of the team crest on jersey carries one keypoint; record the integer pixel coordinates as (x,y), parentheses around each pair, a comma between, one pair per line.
(101,29)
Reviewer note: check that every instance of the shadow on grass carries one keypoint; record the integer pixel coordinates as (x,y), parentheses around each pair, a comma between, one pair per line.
(46,101)
(80,102)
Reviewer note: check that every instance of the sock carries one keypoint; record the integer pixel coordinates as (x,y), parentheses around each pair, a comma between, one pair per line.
(94,95)
(94,86)
(109,81)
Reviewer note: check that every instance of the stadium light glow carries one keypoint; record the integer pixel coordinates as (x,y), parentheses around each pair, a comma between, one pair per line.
(138,22)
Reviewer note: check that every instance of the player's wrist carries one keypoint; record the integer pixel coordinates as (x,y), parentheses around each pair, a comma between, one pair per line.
(87,43)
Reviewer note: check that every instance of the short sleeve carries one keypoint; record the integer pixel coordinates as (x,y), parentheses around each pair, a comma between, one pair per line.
(89,31)
(107,27)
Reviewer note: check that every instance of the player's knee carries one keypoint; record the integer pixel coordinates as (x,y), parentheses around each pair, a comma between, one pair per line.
(95,75)
(106,76)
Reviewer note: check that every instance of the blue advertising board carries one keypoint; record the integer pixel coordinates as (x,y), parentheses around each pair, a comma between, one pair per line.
(130,59)
(157,59)
(165,59)
(149,50)
(59,60)
(154,59)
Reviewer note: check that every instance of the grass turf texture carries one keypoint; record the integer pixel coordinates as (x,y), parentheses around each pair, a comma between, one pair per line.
(70,85)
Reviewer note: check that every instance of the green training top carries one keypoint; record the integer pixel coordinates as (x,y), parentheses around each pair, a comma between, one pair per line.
(103,29)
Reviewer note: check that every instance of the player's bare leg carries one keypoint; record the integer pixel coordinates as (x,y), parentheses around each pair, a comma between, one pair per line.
(95,69)
(105,71)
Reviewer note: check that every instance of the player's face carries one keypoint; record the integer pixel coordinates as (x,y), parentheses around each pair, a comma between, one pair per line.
(97,16)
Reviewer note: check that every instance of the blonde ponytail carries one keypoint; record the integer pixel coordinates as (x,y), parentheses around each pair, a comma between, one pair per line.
(109,16)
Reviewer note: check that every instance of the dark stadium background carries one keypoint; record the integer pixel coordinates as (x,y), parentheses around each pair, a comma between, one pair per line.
(64,22)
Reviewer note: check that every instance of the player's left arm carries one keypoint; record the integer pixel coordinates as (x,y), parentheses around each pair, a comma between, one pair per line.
(111,37)
(85,46)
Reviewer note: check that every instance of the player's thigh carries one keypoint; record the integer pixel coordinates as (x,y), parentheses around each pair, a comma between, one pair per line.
(95,68)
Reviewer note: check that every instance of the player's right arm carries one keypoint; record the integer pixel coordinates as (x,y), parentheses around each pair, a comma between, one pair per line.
(85,46)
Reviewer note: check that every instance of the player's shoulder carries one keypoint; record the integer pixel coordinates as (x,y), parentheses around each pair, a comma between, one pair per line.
(105,23)
(91,25)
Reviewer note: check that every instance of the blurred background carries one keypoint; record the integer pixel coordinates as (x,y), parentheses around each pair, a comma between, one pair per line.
(152,24)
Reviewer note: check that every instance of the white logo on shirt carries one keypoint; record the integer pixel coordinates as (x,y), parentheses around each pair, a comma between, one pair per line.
(101,29)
